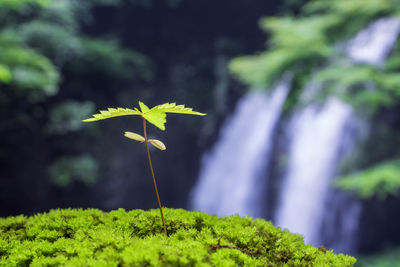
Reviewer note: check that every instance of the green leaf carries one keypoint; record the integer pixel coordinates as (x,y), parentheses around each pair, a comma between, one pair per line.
(134,136)
(143,107)
(5,74)
(173,108)
(157,143)
(156,117)
(380,180)
(112,112)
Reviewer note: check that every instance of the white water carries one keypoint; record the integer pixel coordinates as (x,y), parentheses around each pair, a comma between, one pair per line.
(315,142)
(318,136)
(231,180)
(373,44)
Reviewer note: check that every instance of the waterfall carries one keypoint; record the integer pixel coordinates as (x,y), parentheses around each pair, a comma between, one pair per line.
(315,141)
(373,44)
(319,138)
(233,176)
(231,179)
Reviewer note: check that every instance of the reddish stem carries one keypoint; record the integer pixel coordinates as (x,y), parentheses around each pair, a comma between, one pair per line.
(152,174)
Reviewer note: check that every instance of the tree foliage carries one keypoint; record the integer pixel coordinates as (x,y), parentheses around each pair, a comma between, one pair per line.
(380,180)
(41,44)
(311,47)
(307,46)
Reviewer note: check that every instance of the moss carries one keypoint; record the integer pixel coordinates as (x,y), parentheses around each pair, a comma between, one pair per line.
(76,237)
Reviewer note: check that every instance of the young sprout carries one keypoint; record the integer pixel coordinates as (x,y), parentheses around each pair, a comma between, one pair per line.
(156,116)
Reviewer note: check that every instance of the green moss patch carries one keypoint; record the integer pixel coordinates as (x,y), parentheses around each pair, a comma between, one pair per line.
(75,237)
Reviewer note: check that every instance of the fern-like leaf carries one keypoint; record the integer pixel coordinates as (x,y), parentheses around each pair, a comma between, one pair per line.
(113,112)
(156,116)
(173,108)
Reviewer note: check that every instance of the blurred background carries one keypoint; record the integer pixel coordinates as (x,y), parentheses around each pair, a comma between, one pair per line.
(302,100)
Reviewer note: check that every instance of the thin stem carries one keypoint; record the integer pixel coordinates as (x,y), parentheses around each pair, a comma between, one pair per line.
(152,174)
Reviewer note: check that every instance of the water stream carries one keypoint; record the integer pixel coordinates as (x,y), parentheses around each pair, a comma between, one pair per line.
(233,176)
(231,179)
(316,134)
(321,135)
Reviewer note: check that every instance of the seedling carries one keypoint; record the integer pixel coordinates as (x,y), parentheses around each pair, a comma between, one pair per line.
(156,116)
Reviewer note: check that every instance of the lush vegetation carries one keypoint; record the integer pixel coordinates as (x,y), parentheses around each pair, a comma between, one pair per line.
(42,43)
(135,238)
(380,180)
(304,44)
(61,59)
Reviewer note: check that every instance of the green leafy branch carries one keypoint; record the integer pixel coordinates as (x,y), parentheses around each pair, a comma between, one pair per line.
(380,180)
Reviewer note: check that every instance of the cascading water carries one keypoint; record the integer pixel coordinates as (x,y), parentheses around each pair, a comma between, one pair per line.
(232,178)
(316,134)
(373,44)
(232,175)
(317,141)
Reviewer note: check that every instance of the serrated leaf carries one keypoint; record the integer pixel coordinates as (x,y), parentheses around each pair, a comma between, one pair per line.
(156,117)
(157,143)
(173,108)
(143,107)
(113,112)
(134,136)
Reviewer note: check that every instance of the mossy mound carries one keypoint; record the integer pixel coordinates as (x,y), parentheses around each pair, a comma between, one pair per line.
(75,237)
